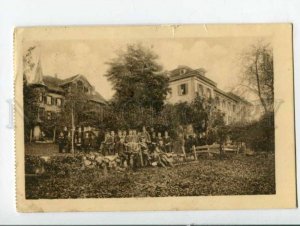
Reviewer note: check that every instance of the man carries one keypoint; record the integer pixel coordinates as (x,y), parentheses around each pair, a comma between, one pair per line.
(93,142)
(135,138)
(129,137)
(167,142)
(161,150)
(159,138)
(144,152)
(146,135)
(104,144)
(86,142)
(191,145)
(121,151)
(61,142)
(111,143)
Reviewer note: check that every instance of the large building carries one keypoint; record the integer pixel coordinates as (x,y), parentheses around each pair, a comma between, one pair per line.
(51,93)
(187,83)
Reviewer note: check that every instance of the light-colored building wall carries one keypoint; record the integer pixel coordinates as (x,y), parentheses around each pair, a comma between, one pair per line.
(175,96)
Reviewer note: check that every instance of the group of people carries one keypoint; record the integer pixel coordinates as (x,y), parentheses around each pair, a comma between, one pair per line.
(134,148)
(138,148)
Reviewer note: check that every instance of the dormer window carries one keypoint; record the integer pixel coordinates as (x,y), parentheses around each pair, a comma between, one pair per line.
(182,71)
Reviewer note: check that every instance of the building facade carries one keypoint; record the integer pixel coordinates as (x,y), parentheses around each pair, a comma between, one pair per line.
(50,96)
(187,83)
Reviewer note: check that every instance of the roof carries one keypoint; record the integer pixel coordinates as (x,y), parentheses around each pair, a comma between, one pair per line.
(232,96)
(225,93)
(53,83)
(96,97)
(239,98)
(72,78)
(188,72)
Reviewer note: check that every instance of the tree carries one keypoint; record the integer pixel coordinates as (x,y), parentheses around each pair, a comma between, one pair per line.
(138,79)
(30,95)
(258,74)
(258,78)
(75,105)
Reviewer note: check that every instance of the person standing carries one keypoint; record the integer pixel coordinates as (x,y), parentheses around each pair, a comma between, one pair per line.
(86,142)
(111,142)
(146,135)
(167,142)
(61,142)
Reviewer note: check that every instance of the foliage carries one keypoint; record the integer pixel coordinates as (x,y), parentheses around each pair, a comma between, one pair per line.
(138,79)
(258,135)
(239,175)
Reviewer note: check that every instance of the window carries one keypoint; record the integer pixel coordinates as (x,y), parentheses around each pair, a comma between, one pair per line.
(182,89)
(41,113)
(200,90)
(182,71)
(208,93)
(41,97)
(80,86)
(58,102)
(217,101)
(49,115)
(49,100)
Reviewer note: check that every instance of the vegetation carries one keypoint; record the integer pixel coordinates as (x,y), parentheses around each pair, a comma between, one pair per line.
(238,175)
(258,79)
(138,79)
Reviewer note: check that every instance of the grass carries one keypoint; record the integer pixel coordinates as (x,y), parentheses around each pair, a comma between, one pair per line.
(236,175)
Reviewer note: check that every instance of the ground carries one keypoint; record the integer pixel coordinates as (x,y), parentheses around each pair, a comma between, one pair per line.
(235,175)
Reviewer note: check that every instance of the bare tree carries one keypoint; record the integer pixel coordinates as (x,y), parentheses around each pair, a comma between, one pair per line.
(258,74)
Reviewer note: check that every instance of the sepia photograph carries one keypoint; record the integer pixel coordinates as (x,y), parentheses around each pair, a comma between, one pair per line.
(158,113)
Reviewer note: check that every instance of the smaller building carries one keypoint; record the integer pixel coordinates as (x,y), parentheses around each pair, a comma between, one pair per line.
(51,94)
(187,83)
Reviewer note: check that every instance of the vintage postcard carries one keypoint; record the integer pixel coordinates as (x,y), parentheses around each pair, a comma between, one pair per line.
(173,117)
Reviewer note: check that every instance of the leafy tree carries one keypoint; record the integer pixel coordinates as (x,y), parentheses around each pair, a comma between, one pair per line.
(138,79)
(30,95)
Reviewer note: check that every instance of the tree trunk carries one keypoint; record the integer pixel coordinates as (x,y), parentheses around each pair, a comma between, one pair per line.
(258,85)
(72,133)
(54,133)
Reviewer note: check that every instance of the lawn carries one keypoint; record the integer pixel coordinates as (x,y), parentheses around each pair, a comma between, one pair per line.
(235,175)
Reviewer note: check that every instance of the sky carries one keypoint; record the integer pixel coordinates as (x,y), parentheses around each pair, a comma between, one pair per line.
(218,56)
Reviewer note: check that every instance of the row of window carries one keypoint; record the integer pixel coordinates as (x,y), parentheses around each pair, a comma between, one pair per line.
(183,90)
(50,100)
(46,114)
(229,105)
